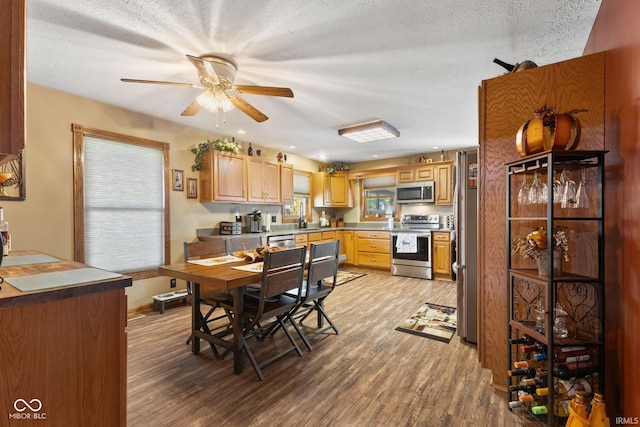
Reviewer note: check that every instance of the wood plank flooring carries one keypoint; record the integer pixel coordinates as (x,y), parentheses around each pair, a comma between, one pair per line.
(368,375)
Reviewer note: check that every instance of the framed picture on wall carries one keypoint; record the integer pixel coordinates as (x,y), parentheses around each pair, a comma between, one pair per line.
(178,180)
(192,188)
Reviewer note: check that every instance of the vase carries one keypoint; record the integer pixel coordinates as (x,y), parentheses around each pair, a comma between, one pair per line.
(543,263)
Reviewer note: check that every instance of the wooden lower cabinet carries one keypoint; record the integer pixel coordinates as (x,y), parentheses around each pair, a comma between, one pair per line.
(301,240)
(348,245)
(442,254)
(373,249)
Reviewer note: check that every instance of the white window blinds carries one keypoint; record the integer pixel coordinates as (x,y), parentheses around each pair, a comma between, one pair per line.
(123,205)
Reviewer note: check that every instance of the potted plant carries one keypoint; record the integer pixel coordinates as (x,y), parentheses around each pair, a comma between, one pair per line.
(534,246)
(210,145)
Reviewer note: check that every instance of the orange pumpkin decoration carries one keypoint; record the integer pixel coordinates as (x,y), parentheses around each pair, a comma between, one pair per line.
(548,131)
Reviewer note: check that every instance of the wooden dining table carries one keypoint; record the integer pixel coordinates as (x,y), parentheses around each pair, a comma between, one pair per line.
(222,276)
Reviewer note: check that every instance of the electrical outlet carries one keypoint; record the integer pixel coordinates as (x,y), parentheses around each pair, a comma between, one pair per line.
(173,283)
(273,218)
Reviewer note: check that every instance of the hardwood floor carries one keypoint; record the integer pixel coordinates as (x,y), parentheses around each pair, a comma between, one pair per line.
(369,374)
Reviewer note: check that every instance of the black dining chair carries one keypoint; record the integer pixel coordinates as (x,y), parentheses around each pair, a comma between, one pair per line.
(283,271)
(323,264)
(215,299)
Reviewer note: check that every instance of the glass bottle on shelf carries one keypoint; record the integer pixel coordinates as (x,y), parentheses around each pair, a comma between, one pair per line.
(6,237)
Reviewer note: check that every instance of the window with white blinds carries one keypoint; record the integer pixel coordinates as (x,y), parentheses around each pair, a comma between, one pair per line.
(123,210)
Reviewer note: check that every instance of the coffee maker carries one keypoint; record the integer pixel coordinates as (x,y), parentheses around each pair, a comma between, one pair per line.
(254,221)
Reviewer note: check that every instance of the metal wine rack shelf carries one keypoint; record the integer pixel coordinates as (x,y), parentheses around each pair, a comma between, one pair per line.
(565,295)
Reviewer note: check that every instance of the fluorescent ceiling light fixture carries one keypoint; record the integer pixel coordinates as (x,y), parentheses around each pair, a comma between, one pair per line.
(367,132)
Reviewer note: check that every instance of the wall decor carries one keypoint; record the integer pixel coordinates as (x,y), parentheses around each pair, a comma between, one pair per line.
(12,179)
(178,180)
(192,188)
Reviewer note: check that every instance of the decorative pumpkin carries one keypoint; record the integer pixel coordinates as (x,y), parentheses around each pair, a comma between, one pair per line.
(548,131)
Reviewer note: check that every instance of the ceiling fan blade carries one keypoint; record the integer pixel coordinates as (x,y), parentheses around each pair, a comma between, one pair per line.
(157,82)
(205,69)
(248,109)
(264,90)
(192,109)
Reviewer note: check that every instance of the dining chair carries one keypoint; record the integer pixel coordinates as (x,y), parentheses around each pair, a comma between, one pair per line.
(323,264)
(282,271)
(214,298)
(243,243)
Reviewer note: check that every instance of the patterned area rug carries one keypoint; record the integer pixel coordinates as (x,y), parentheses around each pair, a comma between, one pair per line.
(437,322)
(345,276)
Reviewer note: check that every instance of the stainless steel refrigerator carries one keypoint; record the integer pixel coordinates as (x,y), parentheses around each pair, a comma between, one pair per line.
(466,227)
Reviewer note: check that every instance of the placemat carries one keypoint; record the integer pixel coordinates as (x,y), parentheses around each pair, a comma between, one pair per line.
(208,262)
(12,261)
(37,282)
(254,268)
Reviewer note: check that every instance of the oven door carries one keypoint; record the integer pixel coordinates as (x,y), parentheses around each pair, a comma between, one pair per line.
(422,255)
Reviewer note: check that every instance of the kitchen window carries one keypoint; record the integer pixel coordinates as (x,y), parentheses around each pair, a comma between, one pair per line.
(378,198)
(301,198)
(121,202)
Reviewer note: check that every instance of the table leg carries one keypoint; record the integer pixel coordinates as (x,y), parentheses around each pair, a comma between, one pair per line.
(195,317)
(238,337)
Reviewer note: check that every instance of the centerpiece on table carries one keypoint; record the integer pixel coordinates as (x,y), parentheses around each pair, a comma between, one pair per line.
(216,144)
(534,246)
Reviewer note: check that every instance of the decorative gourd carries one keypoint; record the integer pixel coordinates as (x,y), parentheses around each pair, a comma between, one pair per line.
(548,131)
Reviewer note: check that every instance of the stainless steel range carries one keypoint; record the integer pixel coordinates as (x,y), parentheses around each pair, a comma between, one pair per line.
(411,246)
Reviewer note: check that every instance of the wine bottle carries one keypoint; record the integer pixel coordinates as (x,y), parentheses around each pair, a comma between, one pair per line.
(530,398)
(521,387)
(569,388)
(577,412)
(524,339)
(538,382)
(571,354)
(539,410)
(527,372)
(598,416)
(535,347)
(515,404)
(566,371)
(529,364)
(508,67)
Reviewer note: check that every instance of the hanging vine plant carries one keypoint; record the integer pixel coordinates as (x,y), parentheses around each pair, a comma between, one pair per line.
(210,145)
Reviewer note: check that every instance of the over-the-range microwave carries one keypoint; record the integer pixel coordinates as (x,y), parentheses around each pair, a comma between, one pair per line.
(418,192)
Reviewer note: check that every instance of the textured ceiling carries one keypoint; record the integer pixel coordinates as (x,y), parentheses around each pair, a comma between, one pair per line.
(416,64)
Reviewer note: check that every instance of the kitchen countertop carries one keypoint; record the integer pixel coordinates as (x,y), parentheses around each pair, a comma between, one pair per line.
(214,233)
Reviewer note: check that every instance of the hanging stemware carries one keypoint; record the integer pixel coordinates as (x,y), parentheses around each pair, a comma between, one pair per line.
(569,195)
(582,198)
(534,190)
(558,188)
(523,193)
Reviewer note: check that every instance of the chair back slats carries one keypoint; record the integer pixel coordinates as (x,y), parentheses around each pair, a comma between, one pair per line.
(323,261)
(243,243)
(204,249)
(282,281)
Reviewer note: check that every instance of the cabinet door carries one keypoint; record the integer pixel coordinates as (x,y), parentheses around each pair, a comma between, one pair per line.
(442,258)
(444,184)
(271,174)
(12,66)
(229,176)
(424,173)
(340,190)
(348,246)
(404,176)
(255,184)
(286,183)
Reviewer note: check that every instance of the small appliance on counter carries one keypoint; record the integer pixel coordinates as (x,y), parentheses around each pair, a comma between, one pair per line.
(254,221)
(227,227)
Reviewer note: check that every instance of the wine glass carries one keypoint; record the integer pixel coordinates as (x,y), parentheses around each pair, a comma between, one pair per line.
(582,198)
(523,193)
(534,190)
(569,195)
(558,188)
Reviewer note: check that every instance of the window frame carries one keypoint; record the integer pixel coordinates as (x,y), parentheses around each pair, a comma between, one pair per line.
(79,132)
(363,198)
(307,214)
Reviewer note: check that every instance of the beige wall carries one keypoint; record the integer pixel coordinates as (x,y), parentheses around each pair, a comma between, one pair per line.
(44,221)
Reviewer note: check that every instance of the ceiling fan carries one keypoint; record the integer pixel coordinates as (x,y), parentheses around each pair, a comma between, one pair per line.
(217,77)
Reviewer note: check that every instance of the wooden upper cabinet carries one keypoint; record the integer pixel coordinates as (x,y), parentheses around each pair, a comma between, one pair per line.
(286,183)
(331,190)
(406,175)
(263,180)
(12,83)
(223,177)
(444,183)
(412,174)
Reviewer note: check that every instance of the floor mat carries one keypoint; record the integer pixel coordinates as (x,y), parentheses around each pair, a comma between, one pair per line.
(434,321)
